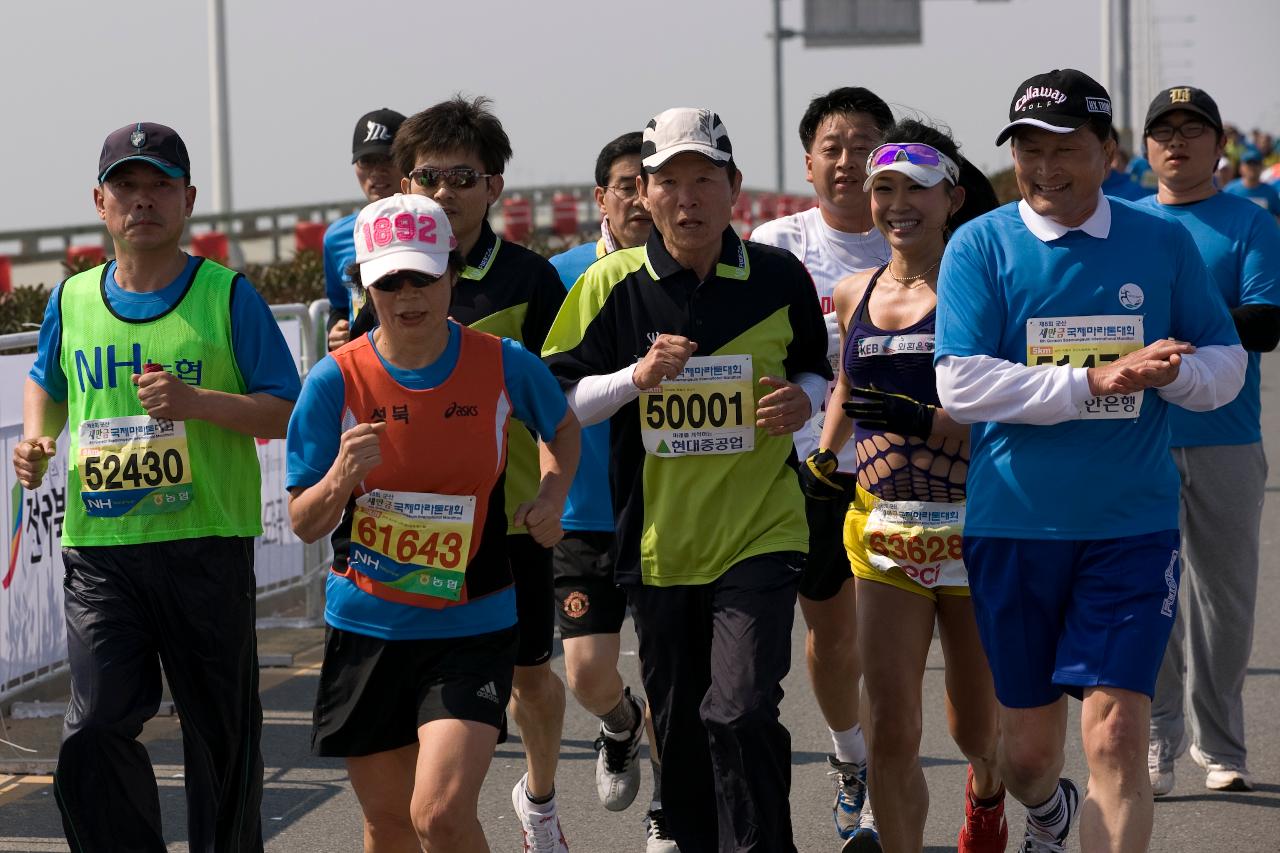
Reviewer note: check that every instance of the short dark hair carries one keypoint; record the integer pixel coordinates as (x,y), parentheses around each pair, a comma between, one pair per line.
(626,145)
(843,101)
(458,123)
(979,196)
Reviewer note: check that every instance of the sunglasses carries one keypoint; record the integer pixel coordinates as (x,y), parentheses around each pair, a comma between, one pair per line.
(462,178)
(916,153)
(394,282)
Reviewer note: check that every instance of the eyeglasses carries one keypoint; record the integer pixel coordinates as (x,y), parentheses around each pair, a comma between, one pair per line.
(394,282)
(462,178)
(916,153)
(624,192)
(1188,130)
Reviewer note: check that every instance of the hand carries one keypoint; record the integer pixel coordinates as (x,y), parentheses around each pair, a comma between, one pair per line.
(339,334)
(30,459)
(542,519)
(815,477)
(1153,366)
(784,410)
(164,395)
(885,412)
(664,360)
(359,452)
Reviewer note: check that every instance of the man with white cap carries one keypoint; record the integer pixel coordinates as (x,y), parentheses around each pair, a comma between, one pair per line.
(1068,324)
(705,353)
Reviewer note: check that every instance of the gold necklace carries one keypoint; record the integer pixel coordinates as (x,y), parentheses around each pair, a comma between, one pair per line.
(911,279)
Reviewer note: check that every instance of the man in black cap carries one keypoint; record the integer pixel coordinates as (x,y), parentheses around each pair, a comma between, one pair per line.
(376,174)
(164,367)
(1068,326)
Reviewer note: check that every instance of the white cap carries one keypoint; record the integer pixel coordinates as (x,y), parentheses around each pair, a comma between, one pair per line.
(402,232)
(923,174)
(681,129)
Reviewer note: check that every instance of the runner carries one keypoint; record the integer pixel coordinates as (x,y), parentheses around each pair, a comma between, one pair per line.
(833,240)
(1067,325)
(905,526)
(1219,456)
(1251,186)
(713,591)
(591,605)
(163,367)
(371,157)
(421,638)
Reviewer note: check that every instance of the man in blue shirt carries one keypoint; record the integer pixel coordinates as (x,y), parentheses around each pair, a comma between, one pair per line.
(371,158)
(1250,185)
(1067,325)
(1219,456)
(1119,183)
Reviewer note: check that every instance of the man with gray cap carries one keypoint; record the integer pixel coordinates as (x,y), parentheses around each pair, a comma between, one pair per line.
(704,353)
(1068,326)
(163,367)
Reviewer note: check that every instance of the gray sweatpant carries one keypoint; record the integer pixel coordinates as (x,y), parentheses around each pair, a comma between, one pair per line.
(1204,665)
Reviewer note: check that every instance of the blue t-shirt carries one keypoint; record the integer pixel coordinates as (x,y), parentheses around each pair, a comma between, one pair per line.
(339,253)
(1142,174)
(315,432)
(590,503)
(1240,245)
(1121,185)
(260,349)
(1263,195)
(1081,479)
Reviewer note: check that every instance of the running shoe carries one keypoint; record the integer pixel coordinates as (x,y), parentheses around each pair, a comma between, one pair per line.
(617,766)
(657,838)
(1159,769)
(851,791)
(985,829)
(865,837)
(540,830)
(1034,842)
(1221,777)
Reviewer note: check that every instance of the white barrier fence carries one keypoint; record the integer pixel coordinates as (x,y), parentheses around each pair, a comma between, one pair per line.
(33,641)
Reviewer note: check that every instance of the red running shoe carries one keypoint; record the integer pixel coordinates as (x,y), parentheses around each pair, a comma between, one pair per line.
(984,830)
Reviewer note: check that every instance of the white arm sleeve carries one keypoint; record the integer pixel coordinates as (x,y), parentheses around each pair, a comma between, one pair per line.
(595,398)
(976,388)
(1208,378)
(816,389)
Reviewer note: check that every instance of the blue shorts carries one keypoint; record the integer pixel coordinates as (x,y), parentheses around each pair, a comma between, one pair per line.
(1058,616)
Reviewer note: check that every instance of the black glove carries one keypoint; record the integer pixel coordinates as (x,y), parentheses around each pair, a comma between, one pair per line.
(815,477)
(880,410)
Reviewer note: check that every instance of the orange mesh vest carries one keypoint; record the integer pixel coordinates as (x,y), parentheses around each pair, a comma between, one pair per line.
(448,440)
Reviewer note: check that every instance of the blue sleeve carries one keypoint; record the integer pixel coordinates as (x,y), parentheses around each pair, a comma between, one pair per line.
(47,371)
(1199,312)
(315,427)
(1260,271)
(970,319)
(536,398)
(261,352)
(1273,200)
(335,281)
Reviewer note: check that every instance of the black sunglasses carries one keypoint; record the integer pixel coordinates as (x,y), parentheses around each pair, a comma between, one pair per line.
(393,282)
(462,178)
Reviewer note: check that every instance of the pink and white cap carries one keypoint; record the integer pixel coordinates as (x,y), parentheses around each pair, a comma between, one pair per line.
(402,233)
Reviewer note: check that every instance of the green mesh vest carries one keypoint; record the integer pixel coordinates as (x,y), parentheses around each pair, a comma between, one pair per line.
(134,479)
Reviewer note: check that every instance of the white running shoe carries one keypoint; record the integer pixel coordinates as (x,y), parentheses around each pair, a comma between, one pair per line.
(617,765)
(1034,842)
(1161,772)
(657,838)
(540,830)
(1221,777)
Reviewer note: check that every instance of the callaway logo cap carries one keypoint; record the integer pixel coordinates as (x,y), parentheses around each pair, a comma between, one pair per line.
(374,133)
(1187,98)
(1060,101)
(156,144)
(680,129)
(402,233)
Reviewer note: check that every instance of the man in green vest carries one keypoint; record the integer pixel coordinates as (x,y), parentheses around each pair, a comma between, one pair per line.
(163,367)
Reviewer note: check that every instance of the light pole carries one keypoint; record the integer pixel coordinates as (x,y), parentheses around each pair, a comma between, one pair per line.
(219,125)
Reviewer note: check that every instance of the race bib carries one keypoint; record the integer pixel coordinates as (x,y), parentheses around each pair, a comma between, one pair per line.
(135,465)
(709,408)
(415,542)
(922,538)
(1088,342)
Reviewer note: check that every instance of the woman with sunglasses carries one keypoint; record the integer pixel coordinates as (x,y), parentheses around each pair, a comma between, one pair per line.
(903,530)
(399,441)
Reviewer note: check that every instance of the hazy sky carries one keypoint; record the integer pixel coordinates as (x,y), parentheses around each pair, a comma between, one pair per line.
(565,75)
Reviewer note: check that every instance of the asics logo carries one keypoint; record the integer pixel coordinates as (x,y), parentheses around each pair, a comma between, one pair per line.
(377,132)
(461,411)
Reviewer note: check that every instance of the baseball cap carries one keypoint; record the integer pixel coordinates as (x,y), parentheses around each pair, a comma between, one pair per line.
(374,133)
(152,143)
(402,232)
(1060,101)
(1187,98)
(680,129)
(923,164)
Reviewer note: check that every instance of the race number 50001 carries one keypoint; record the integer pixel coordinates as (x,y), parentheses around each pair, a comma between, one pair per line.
(693,409)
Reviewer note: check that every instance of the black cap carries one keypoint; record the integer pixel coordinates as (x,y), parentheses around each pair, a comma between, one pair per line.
(152,143)
(1187,98)
(374,133)
(1060,101)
